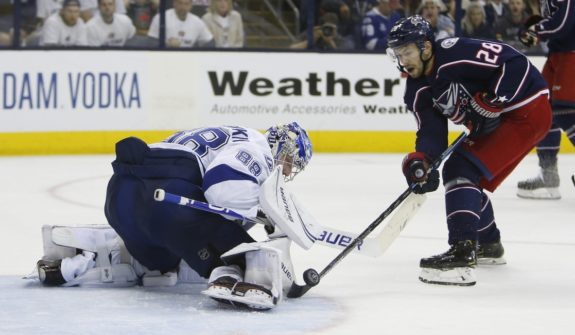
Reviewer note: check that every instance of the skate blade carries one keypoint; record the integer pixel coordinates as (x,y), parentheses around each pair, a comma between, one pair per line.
(250,301)
(491,261)
(464,276)
(543,193)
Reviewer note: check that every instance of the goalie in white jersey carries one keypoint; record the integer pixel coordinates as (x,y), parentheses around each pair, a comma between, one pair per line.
(224,166)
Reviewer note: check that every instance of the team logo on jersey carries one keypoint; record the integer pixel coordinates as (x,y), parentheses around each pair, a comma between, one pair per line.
(453,102)
(448,43)
(203,254)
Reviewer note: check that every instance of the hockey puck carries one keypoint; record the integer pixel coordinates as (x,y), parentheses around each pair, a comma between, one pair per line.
(311,277)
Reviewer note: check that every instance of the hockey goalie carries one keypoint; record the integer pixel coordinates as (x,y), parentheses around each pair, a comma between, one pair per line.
(155,243)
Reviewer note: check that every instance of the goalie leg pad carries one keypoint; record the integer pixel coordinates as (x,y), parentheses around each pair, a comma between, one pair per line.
(103,261)
(267,278)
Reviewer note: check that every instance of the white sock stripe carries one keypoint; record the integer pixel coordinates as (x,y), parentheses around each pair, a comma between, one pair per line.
(486,203)
(490,224)
(463,211)
(462,187)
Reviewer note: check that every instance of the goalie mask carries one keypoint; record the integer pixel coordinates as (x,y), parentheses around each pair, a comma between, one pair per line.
(290,147)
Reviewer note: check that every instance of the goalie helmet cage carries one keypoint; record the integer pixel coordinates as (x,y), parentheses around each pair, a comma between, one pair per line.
(312,277)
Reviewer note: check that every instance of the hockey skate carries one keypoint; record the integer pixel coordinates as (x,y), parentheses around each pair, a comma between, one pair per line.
(230,291)
(50,272)
(544,186)
(490,253)
(453,267)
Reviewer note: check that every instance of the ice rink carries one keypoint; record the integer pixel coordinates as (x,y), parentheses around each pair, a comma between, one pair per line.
(533,294)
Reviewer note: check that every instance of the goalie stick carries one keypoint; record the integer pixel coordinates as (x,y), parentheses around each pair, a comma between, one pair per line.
(330,237)
(312,277)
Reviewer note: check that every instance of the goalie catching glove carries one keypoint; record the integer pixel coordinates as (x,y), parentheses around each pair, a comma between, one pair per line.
(415,167)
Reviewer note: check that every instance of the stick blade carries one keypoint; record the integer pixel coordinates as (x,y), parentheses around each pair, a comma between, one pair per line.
(296,291)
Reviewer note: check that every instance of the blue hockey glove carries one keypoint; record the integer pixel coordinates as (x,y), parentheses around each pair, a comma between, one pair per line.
(528,34)
(414,167)
(481,117)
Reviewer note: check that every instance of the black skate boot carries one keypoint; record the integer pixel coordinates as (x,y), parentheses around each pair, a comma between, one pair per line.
(544,186)
(453,267)
(490,253)
(49,272)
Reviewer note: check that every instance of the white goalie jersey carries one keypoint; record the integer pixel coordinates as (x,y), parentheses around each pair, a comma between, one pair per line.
(236,162)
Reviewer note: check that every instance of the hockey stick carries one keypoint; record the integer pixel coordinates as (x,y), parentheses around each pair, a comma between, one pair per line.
(312,277)
(330,237)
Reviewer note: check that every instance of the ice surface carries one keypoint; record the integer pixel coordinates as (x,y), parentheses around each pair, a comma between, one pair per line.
(533,294)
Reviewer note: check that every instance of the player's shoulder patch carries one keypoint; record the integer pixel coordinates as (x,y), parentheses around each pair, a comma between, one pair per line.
(449,42)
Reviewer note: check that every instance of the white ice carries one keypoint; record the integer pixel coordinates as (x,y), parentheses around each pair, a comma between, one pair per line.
(533,294)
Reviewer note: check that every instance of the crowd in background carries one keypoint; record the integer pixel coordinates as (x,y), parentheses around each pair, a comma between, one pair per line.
(338,24)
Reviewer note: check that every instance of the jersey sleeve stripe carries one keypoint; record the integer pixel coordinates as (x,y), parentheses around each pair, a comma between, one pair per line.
(223,173)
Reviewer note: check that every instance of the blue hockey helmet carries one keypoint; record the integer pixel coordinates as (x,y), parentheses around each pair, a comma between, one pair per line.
(413,29)
(289,142)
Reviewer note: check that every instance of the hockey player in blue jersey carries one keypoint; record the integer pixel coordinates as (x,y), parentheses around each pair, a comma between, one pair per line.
(557,26)
(223,166)
(502,99)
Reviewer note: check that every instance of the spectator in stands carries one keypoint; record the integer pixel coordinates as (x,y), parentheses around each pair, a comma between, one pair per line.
(88,8)
(495,9)
(397,7)
(141,12)
(325,36)
(28,20)
(183,29)
(225,24)
(410,7)
(201,7)
(442,25)
(451,7)
(376,25)
(65,28)
(474,23)
(91,7)
(507,27)
(45,8)
(109,28)
(346,26)
(533,7)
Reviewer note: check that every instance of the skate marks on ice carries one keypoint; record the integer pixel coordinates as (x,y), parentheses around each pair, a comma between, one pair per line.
(29,308)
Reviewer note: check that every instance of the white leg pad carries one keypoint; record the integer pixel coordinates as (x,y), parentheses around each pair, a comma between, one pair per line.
(268,264)
(104,259)
(271,266)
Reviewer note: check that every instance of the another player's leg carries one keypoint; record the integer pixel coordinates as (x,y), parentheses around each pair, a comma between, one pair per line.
(463,208)
(546,184)
(558,73)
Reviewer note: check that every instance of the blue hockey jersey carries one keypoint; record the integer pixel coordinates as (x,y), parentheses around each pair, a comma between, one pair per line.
(463,67)
(374,29)
(558,25)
